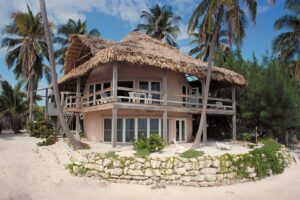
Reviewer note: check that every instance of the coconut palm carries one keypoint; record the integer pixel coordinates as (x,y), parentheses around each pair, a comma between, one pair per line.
(26,49)
(65,30)
(287,44)
(13,104)
(160,23)
(214,14)
(75,143)
(201,50)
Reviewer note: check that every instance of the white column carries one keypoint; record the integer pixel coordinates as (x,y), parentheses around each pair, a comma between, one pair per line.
(114,127)
(77,106)
(114,120)
(205,122)
(46,102)
(234,115)
(115,83)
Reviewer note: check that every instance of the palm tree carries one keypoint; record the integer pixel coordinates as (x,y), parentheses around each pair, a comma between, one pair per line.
(214,14)
(287,44)
(13,104)
(201,50)
(75,143)
(64,31)
(26,48)
(160,23)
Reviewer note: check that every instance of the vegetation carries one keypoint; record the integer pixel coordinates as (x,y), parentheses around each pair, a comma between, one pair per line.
(213,13)
(13,105)
(142,153)
(65,30)
(111,154)
(49,141)
(287,43)
(153,144)
(160,23)
(191,153)
(25,42)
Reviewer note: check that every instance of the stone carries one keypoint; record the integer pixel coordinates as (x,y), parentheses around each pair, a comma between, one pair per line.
(116,171)
(99,168)
(155,164)
(186,178)
(199,178)
(127,177)
(106,162)
(139,177)
(269,172)
(216,163)
(188,166)
(252,175)
(148,172)
(180,170)
(178,163)
(210,177)
(99,162)
(104,175)
(75,169)
(92,173)
(126,169)
(156,172)
(89,166)
(207,163)
(82,159)
(203,184)
(141,160)
(135,172)
(194,172)
(209,171)
(250,170)
(200,164)
(230,176)
(116,163)
(220,177)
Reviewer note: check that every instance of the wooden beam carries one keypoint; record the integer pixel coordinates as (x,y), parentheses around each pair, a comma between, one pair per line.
(114,127)
(234,115)
(165,88)
(165,126)
(78,106)
(115,82)
(205,126)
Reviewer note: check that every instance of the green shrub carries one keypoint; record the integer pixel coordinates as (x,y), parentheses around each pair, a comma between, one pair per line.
(41,129)
(48,141)
(153,144)
(111,154)
(191,153)
(142,153)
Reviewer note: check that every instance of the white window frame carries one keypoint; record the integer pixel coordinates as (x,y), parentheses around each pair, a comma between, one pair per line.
(180,129)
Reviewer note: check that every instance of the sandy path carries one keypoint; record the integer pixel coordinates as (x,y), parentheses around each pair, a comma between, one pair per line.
(28,172)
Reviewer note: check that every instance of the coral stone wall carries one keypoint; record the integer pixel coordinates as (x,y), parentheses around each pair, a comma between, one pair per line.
(200,171)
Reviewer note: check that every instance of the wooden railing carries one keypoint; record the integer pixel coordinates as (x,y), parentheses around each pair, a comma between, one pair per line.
(139,96)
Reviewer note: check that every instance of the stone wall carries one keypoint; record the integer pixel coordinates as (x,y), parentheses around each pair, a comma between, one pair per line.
(200,171)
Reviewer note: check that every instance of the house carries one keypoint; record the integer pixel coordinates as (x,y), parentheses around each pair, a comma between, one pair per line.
(138,86)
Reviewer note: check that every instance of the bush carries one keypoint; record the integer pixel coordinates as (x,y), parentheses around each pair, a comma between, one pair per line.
(153,144)
(49,141)
(111,154)
(191,153)
(41,129)
(142,153)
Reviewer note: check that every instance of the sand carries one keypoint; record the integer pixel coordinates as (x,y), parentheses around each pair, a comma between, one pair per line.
(28,172)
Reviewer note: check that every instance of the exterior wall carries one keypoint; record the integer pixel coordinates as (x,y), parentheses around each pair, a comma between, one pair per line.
(131,72)
(93,122)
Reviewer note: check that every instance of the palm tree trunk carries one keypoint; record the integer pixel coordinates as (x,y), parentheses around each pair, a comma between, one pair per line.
(196,143)
(75,143)
(30,88)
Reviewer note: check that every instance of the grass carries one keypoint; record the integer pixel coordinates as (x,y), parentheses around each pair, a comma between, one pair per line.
(191,153)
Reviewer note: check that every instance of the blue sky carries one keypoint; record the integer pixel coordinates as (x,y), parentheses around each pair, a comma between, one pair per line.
(115,18)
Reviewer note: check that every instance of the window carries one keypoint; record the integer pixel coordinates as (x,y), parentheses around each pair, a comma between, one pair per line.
(125,84)
(129,130)
(107,130)
(150,86)
(91,97)
(142,128)
(154,126)
(120,130)
(180,130)
(98,87)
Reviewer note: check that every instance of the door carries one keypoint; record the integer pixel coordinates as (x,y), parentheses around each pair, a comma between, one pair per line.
(180,130)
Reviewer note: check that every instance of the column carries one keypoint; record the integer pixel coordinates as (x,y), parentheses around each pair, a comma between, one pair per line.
(78,106)
(165,103)
(114,110)
(234,115)
(46,102)
(205,122)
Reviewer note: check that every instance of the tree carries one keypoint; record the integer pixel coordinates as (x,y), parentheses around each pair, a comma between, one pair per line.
(13,104)
(160,23)
(26,48)
(75,143)
(213,13)
(287,44)
(64,31)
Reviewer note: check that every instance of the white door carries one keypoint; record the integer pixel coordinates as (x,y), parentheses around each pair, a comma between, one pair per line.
(180,130)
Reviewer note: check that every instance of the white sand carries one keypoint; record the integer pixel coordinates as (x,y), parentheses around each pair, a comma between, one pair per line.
(28,172)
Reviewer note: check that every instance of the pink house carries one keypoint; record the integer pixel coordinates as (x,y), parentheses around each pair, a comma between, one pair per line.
(123,90)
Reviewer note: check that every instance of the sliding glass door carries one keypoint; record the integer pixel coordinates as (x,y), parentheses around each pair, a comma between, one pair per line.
(180,130)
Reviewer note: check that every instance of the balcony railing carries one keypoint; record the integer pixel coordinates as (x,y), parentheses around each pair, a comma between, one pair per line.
(146,97)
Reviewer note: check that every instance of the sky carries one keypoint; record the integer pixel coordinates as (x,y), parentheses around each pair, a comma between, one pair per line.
(115,18)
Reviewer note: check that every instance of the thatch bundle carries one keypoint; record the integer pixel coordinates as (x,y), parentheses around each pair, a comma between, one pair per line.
(86,53)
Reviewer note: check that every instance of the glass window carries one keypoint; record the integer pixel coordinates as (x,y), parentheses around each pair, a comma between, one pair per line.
(177,130)
(182,130)
(144,85)
(142,128)
(154,126)
(120,130)
(107,130)
(125,84)
(155,86)
(105,86)
(91,89)
(129,131)
(98,88)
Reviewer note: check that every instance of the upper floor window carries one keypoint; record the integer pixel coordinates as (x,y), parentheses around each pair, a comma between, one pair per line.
(151,86)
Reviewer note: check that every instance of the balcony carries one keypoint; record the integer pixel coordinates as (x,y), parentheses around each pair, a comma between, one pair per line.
(132,98)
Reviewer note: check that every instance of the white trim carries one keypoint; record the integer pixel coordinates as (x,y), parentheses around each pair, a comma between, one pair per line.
(135,128)
(180,129)
(123,129)
(148,127)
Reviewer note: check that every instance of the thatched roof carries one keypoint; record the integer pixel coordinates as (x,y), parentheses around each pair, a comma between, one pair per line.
(86,53)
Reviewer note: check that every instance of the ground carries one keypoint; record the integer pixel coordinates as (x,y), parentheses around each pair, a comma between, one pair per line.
(28,172)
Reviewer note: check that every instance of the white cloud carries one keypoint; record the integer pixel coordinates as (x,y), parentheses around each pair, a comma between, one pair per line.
(183,32)
(263,8)
(185,49)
